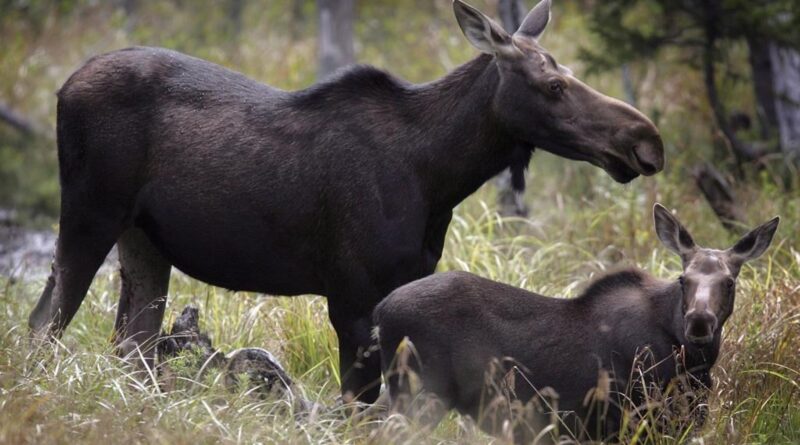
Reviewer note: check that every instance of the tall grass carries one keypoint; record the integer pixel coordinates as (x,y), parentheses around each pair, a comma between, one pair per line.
(582,224)
(78,390)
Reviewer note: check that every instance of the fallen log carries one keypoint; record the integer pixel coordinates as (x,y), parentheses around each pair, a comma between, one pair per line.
(262,370)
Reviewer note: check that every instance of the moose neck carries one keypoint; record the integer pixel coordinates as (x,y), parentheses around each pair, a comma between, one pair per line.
(461,145)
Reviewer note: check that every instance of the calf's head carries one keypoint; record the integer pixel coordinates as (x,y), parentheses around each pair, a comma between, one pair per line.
(541,104)
(709,276)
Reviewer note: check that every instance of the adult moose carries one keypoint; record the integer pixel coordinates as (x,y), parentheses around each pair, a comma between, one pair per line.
(344,189)
(628,321)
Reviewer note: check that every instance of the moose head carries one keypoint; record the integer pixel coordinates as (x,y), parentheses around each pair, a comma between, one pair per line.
(709,276)
(543,105)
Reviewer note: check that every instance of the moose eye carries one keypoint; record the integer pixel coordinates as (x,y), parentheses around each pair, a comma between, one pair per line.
(730,283)
(557,87)
(682,281)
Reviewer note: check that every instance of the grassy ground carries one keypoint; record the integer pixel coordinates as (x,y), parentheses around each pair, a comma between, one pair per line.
(582,224)
(79,391)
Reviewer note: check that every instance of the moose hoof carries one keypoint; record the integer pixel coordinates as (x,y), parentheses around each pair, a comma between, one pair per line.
(127,349)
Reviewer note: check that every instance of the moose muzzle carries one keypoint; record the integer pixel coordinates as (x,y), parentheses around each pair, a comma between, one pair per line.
(700,326)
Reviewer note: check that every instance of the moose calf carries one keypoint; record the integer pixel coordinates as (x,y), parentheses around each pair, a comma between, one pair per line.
(588,350)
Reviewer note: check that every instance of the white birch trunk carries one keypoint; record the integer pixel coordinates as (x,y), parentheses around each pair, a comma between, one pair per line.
(786,82)
(335,35)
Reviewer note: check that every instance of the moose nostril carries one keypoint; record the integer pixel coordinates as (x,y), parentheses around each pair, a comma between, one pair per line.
(649,157)
(647,168)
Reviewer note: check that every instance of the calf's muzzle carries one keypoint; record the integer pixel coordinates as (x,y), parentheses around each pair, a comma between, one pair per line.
(700,326)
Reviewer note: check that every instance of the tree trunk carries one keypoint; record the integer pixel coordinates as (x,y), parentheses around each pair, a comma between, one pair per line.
(627,85)
(235,13)
(511,183)
(786,79)
(335,35)
(298,18)
(761,67)
(131,7)
(743,151)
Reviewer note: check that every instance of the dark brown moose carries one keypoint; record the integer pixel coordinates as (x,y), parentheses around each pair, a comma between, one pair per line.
(461,326)
(344,189)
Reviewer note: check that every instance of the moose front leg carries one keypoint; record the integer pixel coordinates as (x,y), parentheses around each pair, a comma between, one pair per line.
(359,357)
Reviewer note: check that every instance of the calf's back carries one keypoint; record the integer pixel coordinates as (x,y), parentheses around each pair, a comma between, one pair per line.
(459,324)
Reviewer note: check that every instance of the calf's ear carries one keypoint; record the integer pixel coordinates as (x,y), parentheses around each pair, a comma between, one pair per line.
(754,243)
(672,234)
(481,31)
(536,21)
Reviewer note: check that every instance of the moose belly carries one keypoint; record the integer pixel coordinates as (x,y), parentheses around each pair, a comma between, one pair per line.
(231,243)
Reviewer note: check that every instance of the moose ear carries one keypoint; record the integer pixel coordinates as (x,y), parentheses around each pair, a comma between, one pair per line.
(672,233)
(756,241)
(536,21)
(483,32)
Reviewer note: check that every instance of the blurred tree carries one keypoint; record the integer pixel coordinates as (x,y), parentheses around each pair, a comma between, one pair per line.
(335,35)
(761,66)
(702,30)
(130,7)
(235,11)
(511,183)
(298,17)
(627,85)
(15,120)
(786,81)
(720,196)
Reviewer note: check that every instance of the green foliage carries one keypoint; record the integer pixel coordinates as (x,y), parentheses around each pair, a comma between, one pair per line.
(631,30)
(28,179)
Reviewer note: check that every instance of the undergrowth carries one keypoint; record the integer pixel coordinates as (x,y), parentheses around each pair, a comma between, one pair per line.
(79,390)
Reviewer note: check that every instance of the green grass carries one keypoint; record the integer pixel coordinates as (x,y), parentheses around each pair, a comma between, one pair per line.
(78,390)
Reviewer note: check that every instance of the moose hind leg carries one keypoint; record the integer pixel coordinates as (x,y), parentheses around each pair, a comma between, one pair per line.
(80,250)
(144,276)
(39,318)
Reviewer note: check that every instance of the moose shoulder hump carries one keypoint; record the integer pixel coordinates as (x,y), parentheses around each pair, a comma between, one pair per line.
(614,284)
